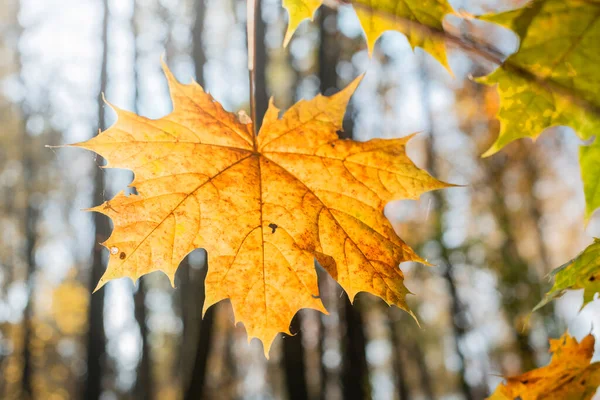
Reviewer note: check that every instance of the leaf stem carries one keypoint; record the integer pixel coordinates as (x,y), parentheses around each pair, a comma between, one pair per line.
(252,8)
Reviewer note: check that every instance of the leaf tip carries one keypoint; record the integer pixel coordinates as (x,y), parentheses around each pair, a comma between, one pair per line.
(171,80)
(447,185)
(171,277)
(491,151)
(587,217)
(412,314)
(100,284)
(288,36)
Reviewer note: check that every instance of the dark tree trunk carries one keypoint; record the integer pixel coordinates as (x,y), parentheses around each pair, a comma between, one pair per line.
(196,385)
(144,383)
(30,231)
(355,371)
(329,51)
(513,269)
(96,346)
(424,376)
(293,361)
(262,98)
(197,43)
(31,218)
(193,289)
(456,309)
(401,385)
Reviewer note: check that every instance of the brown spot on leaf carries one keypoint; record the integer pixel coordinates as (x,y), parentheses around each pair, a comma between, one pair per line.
(273,227)
(122,256)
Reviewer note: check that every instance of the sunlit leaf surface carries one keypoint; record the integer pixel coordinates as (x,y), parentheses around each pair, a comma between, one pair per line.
(263,207)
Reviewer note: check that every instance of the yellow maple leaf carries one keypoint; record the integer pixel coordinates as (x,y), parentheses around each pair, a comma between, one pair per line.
(263,207)
(569,376)
(414,18)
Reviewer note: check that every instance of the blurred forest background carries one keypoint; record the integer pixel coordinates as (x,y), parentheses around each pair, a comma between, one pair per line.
(493,241)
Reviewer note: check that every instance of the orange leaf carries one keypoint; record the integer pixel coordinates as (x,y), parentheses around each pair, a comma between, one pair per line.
(568,376)
(263,207)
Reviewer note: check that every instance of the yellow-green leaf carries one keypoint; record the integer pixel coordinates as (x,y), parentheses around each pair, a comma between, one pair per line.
(582,272)
(414,18)
(554,78)
(589,161)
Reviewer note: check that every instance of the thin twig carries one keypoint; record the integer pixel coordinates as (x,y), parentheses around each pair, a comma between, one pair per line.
(482,51)
(252,8)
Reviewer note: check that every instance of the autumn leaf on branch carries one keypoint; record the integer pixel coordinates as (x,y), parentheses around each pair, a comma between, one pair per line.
(569,376)
(263,207)
(559,46)
(553,80)
(379,16)
(582,272)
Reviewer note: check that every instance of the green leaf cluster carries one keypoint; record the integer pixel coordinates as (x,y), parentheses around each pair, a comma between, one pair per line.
(554,80)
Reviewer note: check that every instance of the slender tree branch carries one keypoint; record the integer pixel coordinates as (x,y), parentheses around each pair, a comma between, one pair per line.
(252,12)
(483,51)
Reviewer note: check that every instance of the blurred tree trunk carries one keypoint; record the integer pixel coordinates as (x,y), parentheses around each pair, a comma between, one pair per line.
(293,360)
(262,98)
(31,219)
(425,378)
(30,233)
(514,269)
(96,342)
(144,388)
(398,362)
(554,328)
(144,383)
(329,51)
(197,43)
(355,371)
(457,311)
(408,354)
(193,290)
